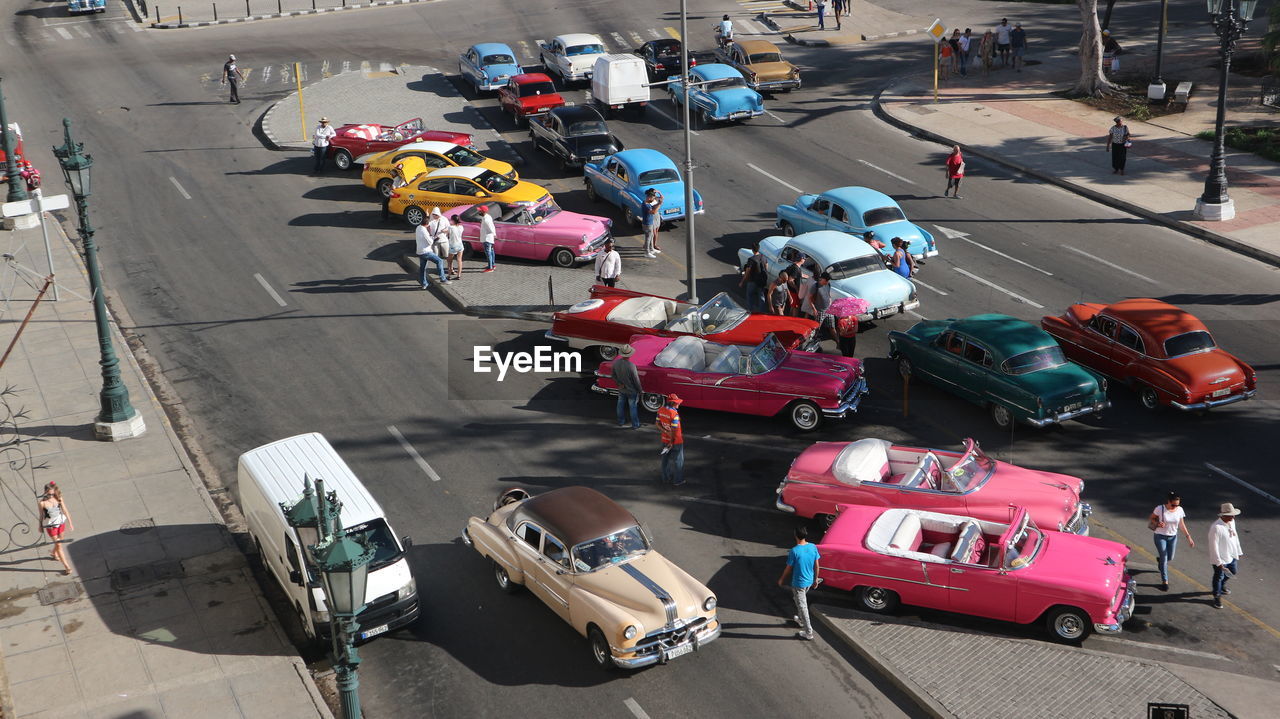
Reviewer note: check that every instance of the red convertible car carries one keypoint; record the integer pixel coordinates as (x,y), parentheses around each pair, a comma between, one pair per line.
(529,95)
(1164,353)
(880,474)
(612,316)
(353,141)
(767,379)
(1009,571)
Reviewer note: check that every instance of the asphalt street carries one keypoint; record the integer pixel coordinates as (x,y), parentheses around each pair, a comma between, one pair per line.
(272,302)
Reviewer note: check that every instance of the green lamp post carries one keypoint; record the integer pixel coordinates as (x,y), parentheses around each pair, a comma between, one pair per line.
(17,188)
(117,419)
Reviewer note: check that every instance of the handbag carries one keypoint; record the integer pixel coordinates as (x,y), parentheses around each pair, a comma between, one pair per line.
(1153,524)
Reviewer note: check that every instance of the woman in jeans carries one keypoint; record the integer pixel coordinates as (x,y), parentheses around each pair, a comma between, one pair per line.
(1164,521)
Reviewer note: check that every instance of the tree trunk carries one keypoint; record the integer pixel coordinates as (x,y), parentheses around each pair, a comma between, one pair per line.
(1092,82)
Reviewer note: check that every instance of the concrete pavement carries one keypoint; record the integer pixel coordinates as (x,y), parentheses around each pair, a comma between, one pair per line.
(161,616)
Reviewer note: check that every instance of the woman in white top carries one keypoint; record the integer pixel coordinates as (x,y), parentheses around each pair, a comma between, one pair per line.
(1164,521)
(455,246)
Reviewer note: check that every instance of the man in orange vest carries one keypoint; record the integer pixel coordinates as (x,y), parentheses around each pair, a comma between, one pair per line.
(672,442)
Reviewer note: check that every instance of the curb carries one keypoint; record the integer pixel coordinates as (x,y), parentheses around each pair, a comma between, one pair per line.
(1196,231)
(807,43)
(768,22)
(291,13)
(923,699)
(887,35)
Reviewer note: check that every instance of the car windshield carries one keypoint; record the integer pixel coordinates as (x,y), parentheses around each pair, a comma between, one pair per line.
(499,59)
(592,49)
(414,125)
(530,89)
(765,57)
(609,550)
(1185,344)
(464,157)
(882,215)
(386,550)
(541,212)
(766,356)
(493,182)
(1021,548)
(657,177)
(725,83)
(588,128)
(970,471)
(1035,360)
(855,266)
(721,313)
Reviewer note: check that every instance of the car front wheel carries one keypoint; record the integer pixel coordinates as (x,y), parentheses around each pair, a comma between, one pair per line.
(877,599)
(503,579)
(600,651)
(805,415)
(563,258)
(630,217)
(904,367)
(1001,415)
(1068,624)
(652,402)
(788,230)
(342,159)
(591,192)
(607,353)
(1148,397)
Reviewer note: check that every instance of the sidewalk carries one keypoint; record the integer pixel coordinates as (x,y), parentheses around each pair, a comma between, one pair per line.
(161,617)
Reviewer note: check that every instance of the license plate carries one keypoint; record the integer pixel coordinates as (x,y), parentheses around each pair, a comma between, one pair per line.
(373,632)
(1222,392)
(679,651)
(671,211)
(1073,407)
(883,312)
(737,115)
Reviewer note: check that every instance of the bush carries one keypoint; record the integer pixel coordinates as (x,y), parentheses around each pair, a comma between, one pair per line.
(1264,141)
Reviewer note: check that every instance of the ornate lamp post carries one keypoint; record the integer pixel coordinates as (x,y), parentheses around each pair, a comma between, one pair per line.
(117,419)
(1229,22)
(17,188)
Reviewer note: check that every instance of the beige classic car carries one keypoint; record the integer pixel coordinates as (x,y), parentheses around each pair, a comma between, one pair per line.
(589,560)
(761,62)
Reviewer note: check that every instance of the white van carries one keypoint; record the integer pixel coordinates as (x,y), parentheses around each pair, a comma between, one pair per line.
(274,473)
(619,81)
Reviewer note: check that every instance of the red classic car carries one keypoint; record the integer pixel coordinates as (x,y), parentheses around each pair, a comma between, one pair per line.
(353,141)
(767,379)
(528,95)
(1009,571)
(881,474)
(1164,353)
(613,316)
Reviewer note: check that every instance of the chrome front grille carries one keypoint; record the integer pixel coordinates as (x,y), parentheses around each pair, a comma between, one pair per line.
(664,639)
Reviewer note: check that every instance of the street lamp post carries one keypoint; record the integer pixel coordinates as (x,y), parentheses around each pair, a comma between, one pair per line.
(690,256)
(1229,22)
(17,188)
(1156,89)
(117,419)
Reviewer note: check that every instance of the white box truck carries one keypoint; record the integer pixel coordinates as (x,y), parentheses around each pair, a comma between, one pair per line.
(274,473)
(619,82)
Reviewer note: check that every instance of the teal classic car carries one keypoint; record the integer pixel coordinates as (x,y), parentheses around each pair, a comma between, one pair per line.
(1013,368)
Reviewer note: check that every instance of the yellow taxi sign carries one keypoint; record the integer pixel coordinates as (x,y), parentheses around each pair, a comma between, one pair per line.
(937,29)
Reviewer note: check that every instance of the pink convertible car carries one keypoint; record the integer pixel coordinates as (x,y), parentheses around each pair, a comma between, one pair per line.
(1008,571)
(881,474)
(543,232)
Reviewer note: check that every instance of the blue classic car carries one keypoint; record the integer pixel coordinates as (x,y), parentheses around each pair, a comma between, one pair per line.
(623,178)
(855,210)
(488,66)
(856,269)
(718,93)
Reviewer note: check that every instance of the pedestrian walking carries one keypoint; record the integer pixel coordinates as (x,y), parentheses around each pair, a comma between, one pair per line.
(836,7)
(1002,41)
(954,42)
(55,519)
(232,76)
(320,143)
(966,47)
(398,180)
(1111,52)
(608,265)
(1224,550)
(652,222)
(1118,142)
(1164,522)
(955,171)
(1018,45)
(672,441)
(755,278)
(986,51)
(456,248)
(778,296)
(944,59)
(801,575)
(425,245)
(488,235)
(822,14)
(627,377)
(847,335)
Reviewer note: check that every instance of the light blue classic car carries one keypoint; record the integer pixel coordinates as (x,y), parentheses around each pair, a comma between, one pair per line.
(718,93)
(488,66)
(856,269)
(623,178)
(855,210)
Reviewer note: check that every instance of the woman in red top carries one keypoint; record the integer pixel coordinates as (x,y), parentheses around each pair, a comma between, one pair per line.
(955,171)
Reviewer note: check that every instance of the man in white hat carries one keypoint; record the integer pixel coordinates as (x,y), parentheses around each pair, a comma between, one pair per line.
(231,74)
(320,143)
(1224,550)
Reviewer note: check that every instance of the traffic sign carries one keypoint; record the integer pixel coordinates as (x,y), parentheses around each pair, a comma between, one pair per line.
(937,30)
(28,207)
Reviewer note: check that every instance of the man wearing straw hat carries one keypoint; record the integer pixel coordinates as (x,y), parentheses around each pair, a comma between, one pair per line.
(320,143)
(627,377)
(1224,550)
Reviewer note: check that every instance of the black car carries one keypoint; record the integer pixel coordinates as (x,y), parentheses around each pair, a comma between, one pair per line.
(662,58)
(574,135)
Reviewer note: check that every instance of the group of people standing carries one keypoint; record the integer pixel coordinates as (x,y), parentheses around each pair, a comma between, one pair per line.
(1008,43)
(1224,542)
(440,241)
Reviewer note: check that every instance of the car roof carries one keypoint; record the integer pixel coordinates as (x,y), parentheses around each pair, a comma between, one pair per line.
(1008,335)
(576,113)
(470,173)
(831,245)
(427,146)
(663,42)
(580,38)
(575,514)
(644,159)
(716,71)
(754,46)
(492,48)
(1159,320)
(530,77)
(281,466)
(864,197)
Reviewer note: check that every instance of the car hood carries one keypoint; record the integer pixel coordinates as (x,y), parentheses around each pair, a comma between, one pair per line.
(880,288)
(811,371)
(771,70)
(918,240)
(522,192)
(736,97)
(1050,498)
(498,166)
(574,223)
(641,587)
(1079,565)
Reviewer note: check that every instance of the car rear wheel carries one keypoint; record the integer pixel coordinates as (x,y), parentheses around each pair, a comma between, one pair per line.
(652,402)
(1001,415)
(384,187)
(600,651)
(904,367)
(1068,624)
(562,257)
(1148,397)
(415,216)
(804,415)
(630,217)
(607,353)
(503,579)
(591,192)
(788,230)
(877,599)
(342,159)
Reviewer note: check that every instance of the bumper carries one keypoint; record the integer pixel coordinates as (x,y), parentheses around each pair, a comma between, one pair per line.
(1063,417)
(781,505)
(1211,403)
(393,617)
(881,312)
(852,398)
(1122,616)
(737,116)
(775,85)
(697,641)
(1080,524)
(601,390)
(926,255)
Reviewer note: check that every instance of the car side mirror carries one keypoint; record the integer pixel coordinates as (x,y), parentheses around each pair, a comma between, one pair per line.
(295,576)
(406,541)
(479,194)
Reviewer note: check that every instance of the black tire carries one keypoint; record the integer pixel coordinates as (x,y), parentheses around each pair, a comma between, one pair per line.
(591,192)
(1148,397)
(804,415)
(629,217)
(600,652)
(503,579)
(1068,625)
(561,257)
(1001,415)
(787,229)
(415,215)
(904,367)
(700,120)
(308,629)
(607,352)
(343,159)
(652,402)
(384,187)
(877,600)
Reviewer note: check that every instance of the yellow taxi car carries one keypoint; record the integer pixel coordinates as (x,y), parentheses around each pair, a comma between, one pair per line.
(425,156)
(458,186)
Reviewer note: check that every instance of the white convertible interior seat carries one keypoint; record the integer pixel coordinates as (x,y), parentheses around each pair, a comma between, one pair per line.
(643,311)
(908,535)
(866,460)
(725,359)
(683,353)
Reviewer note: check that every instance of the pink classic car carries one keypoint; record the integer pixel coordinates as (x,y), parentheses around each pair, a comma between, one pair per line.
(878,473)
(542,232)
(767,379)
(1010,571)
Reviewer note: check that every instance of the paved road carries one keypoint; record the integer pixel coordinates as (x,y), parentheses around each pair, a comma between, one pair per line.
(196,221)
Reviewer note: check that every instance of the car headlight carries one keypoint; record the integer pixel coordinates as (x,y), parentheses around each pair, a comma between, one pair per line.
(408,590)
(1102,383)
(630,632)
(709,604)
(912,296)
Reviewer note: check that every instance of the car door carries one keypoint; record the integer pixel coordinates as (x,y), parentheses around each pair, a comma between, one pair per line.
(620,183)
(981,591)
(552,569)
(817,215)
(839,218)
(554,132)
(515,235)
(471,66)
(975,371)
(1126,351)
(528,551)
(1096,342)
(937,359)
(508,96)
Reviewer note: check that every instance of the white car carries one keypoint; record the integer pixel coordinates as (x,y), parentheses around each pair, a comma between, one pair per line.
(571,57)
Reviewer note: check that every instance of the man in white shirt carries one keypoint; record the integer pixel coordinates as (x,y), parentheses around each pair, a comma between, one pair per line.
(1002,41)
(488,235)
(425,242)
(725,31)
(320,143)
(1224,550)
(608,265)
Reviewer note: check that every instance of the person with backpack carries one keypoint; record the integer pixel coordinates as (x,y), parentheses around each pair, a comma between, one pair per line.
(755,276)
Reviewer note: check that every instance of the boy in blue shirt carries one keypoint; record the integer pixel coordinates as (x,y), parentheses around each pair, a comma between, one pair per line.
(802,571)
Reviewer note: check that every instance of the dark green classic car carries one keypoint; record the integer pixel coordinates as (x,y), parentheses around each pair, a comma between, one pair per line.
(1013,368)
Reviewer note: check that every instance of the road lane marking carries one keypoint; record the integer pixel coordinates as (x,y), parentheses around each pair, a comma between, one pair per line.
(181,191)
(617,37)
(413,453)
(890,174)
(656,35)
(63,32)
(917,315)
(1243,483)
(1112,265)
(1163,648)
(675,35)
(660,111)
(775,179)
(734,505)
(636,38)
(998,288)
(779,119)
(928,287)
(635,709)
(958,235)
(270,290)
